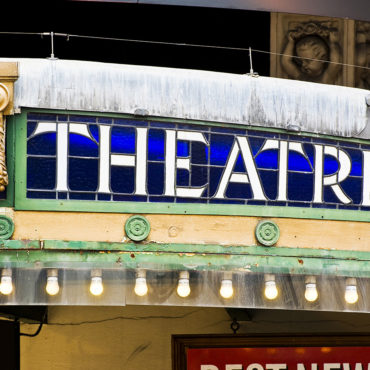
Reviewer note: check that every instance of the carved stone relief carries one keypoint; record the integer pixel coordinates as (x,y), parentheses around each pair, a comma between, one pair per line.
(362,52)
(4,101)
(307,48)
(8,75)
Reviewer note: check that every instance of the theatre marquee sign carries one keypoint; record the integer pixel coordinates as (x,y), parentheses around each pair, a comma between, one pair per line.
(217,352)
(115,163)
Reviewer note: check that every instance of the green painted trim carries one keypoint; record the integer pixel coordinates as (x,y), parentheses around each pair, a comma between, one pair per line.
(252,259)
(22,203)
(205,248)
(19,244)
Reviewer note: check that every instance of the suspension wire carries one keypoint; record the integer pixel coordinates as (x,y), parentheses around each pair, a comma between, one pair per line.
(167,43)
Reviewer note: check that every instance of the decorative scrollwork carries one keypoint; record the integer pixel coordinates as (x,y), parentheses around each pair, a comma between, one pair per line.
(137,228)
(6,227)
(267,233)
(4,101)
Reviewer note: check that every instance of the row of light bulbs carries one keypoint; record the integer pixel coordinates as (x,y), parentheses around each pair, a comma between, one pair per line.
(183,288)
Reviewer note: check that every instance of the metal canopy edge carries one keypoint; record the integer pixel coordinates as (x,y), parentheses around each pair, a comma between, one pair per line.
(250,259)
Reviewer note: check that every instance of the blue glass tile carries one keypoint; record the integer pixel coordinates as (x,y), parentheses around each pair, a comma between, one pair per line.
(329,195)
(331,165)
(122,179)
(215,177)
(310,152)
(186,127)
(156,179)
(365,146)
(94,131)
(252,202)
(81,196)
(265,134)
(239,165)
(277,204)
(350,207)
(300,139)
(299,204)
(297,162)
(41,173)
(183,148)
(129,198)
(300,187)
(162,199)
(41,117)
(162,125)
(324,205)
(31,126)
(220,149)
(267,159)
(353,188)
(256,144)
(156,145)
(82,119)
(356,159)
(40,195)
(323,141)
(62,117)
(44,144)
(238,191)
(347,144)
(83,174)
(130,122)
(199,176)
(229,131)
(82,146)
(62,195)
(106,197)
(182,177)
(226,201)
(123,140)
(105,120)
(269,183)
(199,153)
(190,200)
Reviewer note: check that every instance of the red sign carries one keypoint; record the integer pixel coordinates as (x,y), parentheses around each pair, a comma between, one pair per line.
(279,358)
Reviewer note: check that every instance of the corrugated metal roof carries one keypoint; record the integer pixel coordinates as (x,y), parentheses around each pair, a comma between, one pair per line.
(193,95)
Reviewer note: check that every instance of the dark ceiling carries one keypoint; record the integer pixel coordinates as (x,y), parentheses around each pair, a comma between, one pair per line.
(171,24)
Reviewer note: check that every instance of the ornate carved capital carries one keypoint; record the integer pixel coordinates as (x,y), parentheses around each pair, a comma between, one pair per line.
(8,74)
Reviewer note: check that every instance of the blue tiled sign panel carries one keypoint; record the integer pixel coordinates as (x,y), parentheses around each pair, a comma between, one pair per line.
(73,157)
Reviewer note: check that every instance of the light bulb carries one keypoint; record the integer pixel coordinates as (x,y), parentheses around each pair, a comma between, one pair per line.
(183,287)
(141,288)
(52,286)
(226,290)
(271,291)
(96,286)
(351,295)
(6,285)
(311,293)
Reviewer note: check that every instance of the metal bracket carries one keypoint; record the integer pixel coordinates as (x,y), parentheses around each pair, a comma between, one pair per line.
(239,314)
